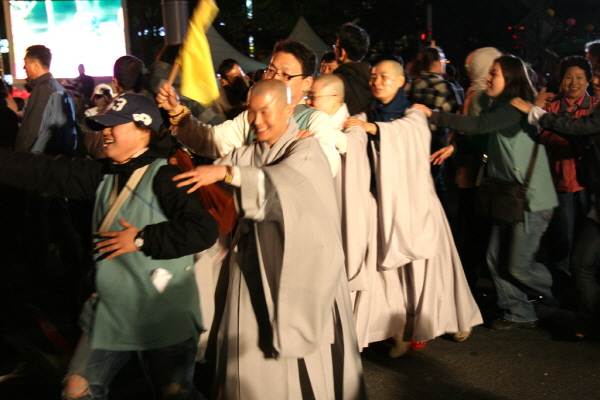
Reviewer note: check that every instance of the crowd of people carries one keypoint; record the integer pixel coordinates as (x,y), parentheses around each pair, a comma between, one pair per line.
(355,193)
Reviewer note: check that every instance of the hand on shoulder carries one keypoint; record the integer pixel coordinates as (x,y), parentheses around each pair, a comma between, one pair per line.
(423,108)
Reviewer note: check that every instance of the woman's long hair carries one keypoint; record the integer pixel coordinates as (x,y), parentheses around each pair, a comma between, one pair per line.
(517,83)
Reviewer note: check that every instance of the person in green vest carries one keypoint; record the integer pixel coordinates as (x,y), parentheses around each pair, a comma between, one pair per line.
(146,231)
(293,63)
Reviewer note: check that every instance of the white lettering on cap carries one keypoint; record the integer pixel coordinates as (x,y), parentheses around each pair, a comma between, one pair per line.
(144,118)
(118,104)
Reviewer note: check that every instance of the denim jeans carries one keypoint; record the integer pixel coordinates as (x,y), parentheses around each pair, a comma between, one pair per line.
(585,266)
(511,260)
(167,368)
(568,215)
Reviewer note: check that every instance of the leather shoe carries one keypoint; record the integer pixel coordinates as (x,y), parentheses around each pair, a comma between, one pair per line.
(501,323)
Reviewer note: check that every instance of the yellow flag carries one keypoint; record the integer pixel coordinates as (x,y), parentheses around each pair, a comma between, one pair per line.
(198,81)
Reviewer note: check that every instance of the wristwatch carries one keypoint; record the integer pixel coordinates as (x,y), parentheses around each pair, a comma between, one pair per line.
(139,240)
(229,174)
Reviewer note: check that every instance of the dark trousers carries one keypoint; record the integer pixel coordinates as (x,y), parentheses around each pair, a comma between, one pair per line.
(567,217)
(585,269)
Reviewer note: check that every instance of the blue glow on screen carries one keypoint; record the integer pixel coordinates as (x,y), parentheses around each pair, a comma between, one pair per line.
(77,32)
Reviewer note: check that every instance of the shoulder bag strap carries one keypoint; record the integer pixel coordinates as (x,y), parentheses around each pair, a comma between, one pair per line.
(530,168)
(117,201)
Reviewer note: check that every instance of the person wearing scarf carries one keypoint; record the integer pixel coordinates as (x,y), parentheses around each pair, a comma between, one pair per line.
(421,291)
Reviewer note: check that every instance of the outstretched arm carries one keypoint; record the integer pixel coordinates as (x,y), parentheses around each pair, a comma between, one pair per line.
(367,126)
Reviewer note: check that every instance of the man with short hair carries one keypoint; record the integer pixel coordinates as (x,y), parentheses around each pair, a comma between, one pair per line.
(328,63)
(429,295)
(128,74)
(49,124)
(84,84)
(350,48)
(293,63)
(287,330)
(234,89)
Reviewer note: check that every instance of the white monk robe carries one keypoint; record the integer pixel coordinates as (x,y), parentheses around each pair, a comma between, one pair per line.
(379,310)
(368,285)
(415,241)
(287,326)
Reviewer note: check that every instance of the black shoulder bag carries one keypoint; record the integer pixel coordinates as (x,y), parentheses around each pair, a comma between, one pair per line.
(500,200)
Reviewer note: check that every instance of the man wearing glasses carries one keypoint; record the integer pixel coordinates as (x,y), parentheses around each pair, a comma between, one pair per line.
(293,63)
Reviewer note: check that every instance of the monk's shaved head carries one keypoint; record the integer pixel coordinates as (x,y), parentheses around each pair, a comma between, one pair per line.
(331,83)
(387,77)
(392,65)
(269,109)
(274,87)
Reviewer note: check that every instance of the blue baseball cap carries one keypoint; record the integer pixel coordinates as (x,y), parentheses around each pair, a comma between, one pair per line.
(127,107)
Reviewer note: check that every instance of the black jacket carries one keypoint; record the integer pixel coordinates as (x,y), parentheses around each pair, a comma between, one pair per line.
(356,76)
(190,229)
(588,126)
(49,124)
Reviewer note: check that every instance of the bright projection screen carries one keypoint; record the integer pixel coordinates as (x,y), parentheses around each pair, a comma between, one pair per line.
(88,32)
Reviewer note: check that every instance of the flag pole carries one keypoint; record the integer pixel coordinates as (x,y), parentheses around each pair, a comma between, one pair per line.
(173,74)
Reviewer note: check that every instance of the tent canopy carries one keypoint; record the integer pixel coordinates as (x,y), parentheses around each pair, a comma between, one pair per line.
(305,34)
(221,50)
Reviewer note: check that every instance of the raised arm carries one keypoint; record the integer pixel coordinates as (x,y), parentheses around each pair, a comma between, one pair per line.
(584,125)
(503,117)
(77,179)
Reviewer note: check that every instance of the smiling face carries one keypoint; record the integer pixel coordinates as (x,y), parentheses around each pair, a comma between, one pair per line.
(495,82)
(322,98)
(386,80)
(574,83)
(268,116)
(121,142)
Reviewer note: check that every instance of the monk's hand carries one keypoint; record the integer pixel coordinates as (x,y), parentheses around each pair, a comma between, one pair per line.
(118,242)
(521,105)
(544,98)
(423,108)
(367,126)
(302,133)
(440,156)
(202,175)
(167,99)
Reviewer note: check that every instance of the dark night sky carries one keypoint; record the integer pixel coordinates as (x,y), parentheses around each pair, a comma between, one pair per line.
(459,26)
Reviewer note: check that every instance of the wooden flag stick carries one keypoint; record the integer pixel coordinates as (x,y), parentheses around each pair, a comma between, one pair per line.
(173,74)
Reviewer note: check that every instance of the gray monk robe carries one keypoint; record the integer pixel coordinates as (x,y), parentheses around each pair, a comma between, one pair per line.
(287,330)
(414,239)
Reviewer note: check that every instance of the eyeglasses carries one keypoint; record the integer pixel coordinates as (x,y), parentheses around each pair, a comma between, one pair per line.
(312,97)
(271,74)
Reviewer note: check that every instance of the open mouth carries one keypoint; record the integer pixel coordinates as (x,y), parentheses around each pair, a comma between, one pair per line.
(108,141)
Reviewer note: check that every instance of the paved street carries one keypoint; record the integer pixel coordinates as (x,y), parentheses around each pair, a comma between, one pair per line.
(493,365)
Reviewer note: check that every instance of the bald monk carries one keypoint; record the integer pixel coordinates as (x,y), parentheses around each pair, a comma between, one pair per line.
(428,295)
(287,330)
(327,95)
